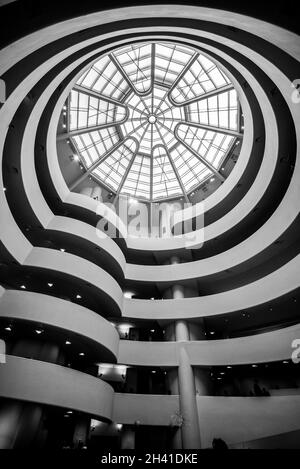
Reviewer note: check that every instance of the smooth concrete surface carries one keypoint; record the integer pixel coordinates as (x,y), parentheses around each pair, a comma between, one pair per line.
(238,419)
(234,419)
(259,348)
(51,311)
(274,285)
(45,383)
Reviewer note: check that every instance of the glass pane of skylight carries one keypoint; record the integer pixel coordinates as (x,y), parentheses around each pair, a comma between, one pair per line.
(165,182)
(201,77)
(90,111)
(114,167)
(209,145)
(219,111)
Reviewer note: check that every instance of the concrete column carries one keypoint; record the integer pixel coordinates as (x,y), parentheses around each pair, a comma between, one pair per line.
(188,404)
(29,426)
(190,432)
(128,437)
(81,431)
(176,438)
(10,415)
(19,424)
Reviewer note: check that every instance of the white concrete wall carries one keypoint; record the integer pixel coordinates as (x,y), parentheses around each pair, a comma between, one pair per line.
(48,310)
(45,383)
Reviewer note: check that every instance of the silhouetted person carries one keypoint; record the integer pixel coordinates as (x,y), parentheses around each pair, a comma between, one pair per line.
(257,389)
(218,443)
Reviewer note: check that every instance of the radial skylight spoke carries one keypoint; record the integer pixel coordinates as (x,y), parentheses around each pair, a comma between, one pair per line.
(178,177)
(165,181)
(200,145)
(115,167)
(135,64)
(233,133)
(175,108)
(202,76)
(95,165)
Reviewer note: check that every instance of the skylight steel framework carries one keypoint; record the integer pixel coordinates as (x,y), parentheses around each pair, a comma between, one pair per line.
(153,120)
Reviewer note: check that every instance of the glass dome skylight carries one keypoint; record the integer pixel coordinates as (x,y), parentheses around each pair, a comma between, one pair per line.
(153,120)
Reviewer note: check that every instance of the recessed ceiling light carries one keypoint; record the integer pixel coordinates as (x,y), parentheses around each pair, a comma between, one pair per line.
(285,361)
(212,332)
(153,371)
(152,330)
(8,328)
(219,378)
(39,331)
(62,250)
(70,412)
(222,373)
(229,366)
(68,342)
(78,297)
(23,287)
(50,285)
(254,366)
(81,354)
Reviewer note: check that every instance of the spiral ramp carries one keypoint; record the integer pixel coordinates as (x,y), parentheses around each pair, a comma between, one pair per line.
(62,302)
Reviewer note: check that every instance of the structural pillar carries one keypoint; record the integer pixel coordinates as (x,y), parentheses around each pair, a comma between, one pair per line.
(19,424)
(190,431)
(81,431)
(128,437)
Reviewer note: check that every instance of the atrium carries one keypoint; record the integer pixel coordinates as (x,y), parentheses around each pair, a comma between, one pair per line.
(149,238)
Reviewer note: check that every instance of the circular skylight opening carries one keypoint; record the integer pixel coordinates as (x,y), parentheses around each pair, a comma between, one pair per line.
(154,121)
